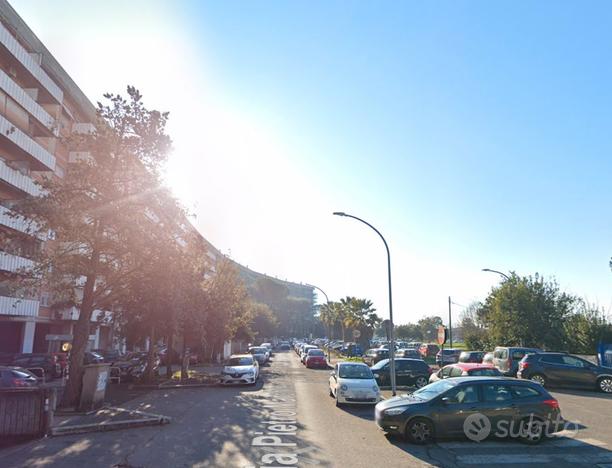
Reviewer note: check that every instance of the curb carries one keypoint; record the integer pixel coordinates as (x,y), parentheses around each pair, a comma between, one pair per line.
(147,419)
(108,426)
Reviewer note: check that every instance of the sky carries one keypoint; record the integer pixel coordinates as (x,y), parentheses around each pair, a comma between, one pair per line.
(472,134)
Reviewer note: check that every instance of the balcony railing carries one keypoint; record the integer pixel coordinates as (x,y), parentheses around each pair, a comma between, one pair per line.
(24,57)
(25,100)
(26,143)
(20,307)
(19,180)
(14,263)
(19,223)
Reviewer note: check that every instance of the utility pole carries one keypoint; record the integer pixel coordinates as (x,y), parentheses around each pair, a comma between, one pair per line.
(450,322)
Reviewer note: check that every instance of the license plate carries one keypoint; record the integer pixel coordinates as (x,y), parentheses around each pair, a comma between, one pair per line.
(359,395)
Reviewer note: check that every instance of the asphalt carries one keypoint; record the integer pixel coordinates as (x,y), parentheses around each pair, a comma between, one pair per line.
(288,419)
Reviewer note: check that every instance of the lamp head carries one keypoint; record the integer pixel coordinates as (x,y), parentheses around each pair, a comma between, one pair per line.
(339,213)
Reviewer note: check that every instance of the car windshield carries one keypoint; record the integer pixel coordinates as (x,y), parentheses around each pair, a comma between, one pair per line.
(355,371)
(316,352)
(485,372)
(433,390)
(258,350)
(242,361)
(380,364)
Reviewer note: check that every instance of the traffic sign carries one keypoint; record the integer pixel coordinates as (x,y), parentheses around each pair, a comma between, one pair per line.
(442,334)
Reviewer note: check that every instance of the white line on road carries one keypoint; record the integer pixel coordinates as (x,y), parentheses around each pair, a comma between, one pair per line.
(503,459)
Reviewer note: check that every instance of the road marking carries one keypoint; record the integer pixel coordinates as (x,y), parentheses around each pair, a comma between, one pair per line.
(554,442)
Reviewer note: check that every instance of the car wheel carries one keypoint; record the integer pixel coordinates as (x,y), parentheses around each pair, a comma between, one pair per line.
(605,384)
(538,378)
(532,431)
(421,382)
(420,431)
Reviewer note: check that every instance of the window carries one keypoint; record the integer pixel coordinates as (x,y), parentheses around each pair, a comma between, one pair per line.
(496,393)
(446,371)
(487,372)
(572,361)
(522,391)
(464,394)
(456,372)
(501,353)
(552,359)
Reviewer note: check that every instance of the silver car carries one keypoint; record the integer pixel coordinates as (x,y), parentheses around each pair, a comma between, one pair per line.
(240,369)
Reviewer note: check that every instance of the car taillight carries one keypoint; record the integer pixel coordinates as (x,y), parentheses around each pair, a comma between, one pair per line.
(554,404)
(523,365)
(19,383)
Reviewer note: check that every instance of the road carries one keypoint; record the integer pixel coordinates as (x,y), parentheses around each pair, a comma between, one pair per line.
(290,420)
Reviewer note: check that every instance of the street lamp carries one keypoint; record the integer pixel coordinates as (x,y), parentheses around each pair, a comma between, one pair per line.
(498,272)
(327,299)
(391,332)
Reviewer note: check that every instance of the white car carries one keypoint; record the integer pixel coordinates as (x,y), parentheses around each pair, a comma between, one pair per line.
(269,346)
(240,369)
(353,382)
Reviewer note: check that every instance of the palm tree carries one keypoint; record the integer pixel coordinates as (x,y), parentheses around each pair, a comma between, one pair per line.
(328,314)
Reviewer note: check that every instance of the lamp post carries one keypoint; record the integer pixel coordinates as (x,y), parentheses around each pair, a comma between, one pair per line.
(506,277)
(327,299)
(391,332)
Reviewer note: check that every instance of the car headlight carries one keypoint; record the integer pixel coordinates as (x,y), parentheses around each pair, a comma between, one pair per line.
(249,374)
(376,376)
(375,388)
(395,411)
(344,388)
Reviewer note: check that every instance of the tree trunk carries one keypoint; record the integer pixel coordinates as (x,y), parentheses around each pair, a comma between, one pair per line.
(72,391)
(149,375)
(343,333)
(170,354)
(184,363)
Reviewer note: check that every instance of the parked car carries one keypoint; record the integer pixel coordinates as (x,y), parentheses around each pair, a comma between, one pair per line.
(46,361)
(109,355)
(465,369)
(372,356)
(441,408)
(506,359)
(565,370)
(315,358)
(447,356)
(16,377)
(471,356)
(269,346)
(304,352)
(351,349)
(91,357)
(428,349)
(240,369)
(353,382)
(408,353)
(284,346)
(408,372)
(260,353)
(488,358)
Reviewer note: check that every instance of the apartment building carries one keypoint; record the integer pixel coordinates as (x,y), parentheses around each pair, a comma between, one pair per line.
(39,105)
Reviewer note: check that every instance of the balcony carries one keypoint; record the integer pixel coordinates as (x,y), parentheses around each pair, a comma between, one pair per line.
(19,180)
(14,263)
(78,156)
(81,128)
(19,223)
(27,144)
(25,100)
(19,307)
(29,63)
